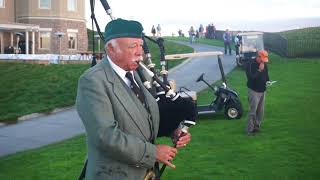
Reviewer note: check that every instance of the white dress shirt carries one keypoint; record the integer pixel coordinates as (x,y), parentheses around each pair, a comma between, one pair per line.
(121,72)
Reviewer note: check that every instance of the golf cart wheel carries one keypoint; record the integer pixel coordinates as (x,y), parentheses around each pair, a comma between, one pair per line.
(233,111)
(239,61)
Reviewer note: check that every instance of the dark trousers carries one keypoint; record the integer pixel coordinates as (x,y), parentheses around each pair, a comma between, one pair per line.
(227,44)
(237,50)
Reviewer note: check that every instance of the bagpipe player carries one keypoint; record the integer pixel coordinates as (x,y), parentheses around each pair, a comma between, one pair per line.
(120,116)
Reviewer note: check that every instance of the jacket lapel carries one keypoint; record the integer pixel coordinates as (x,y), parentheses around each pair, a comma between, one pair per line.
(124,98)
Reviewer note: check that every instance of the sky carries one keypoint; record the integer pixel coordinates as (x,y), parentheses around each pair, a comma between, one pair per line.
(172,15)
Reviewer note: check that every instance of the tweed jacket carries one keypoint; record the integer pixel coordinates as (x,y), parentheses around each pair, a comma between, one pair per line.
(119,128)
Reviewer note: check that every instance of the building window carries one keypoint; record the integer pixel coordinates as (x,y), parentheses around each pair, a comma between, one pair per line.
(45,4)
(72,5)
(44,42)
(2,3)
(72,40)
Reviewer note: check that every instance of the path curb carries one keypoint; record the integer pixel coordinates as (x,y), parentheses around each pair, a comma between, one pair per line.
(36,115)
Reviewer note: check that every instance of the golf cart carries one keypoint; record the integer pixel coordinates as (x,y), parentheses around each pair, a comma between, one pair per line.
(226,99)
(249,43)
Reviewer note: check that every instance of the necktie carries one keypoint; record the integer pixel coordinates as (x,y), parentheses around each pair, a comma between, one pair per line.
(135,88)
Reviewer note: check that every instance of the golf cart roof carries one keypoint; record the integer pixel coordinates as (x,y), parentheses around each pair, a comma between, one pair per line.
(250,33)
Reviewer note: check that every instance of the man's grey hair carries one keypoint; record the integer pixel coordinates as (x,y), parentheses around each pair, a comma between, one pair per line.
(114,43)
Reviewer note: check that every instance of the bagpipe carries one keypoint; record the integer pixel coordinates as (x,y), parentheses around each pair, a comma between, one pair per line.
(174,107)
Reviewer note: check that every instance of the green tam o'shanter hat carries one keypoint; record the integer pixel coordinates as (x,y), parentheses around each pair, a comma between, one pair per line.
(122,28)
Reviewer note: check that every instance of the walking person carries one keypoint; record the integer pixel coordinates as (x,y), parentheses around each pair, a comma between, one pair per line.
(258,77)
(237,44)
(227,41)
(120,116)
(159,30)
(153,31)
(191,34)
(201,31)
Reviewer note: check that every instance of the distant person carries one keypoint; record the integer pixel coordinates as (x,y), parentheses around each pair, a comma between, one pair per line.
(258,78)
(237,43)
(210,31)
(201,31)
(192,34)
(197,34)
(180,32)
(22,46)
(227,41)
(213,32)
(159,30)
(153,31)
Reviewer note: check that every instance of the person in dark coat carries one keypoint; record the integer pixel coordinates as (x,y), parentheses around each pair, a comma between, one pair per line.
(258,78)
(227,41)
(153,31)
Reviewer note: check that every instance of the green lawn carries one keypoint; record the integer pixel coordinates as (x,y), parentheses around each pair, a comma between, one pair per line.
(288,146)
(29,88)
